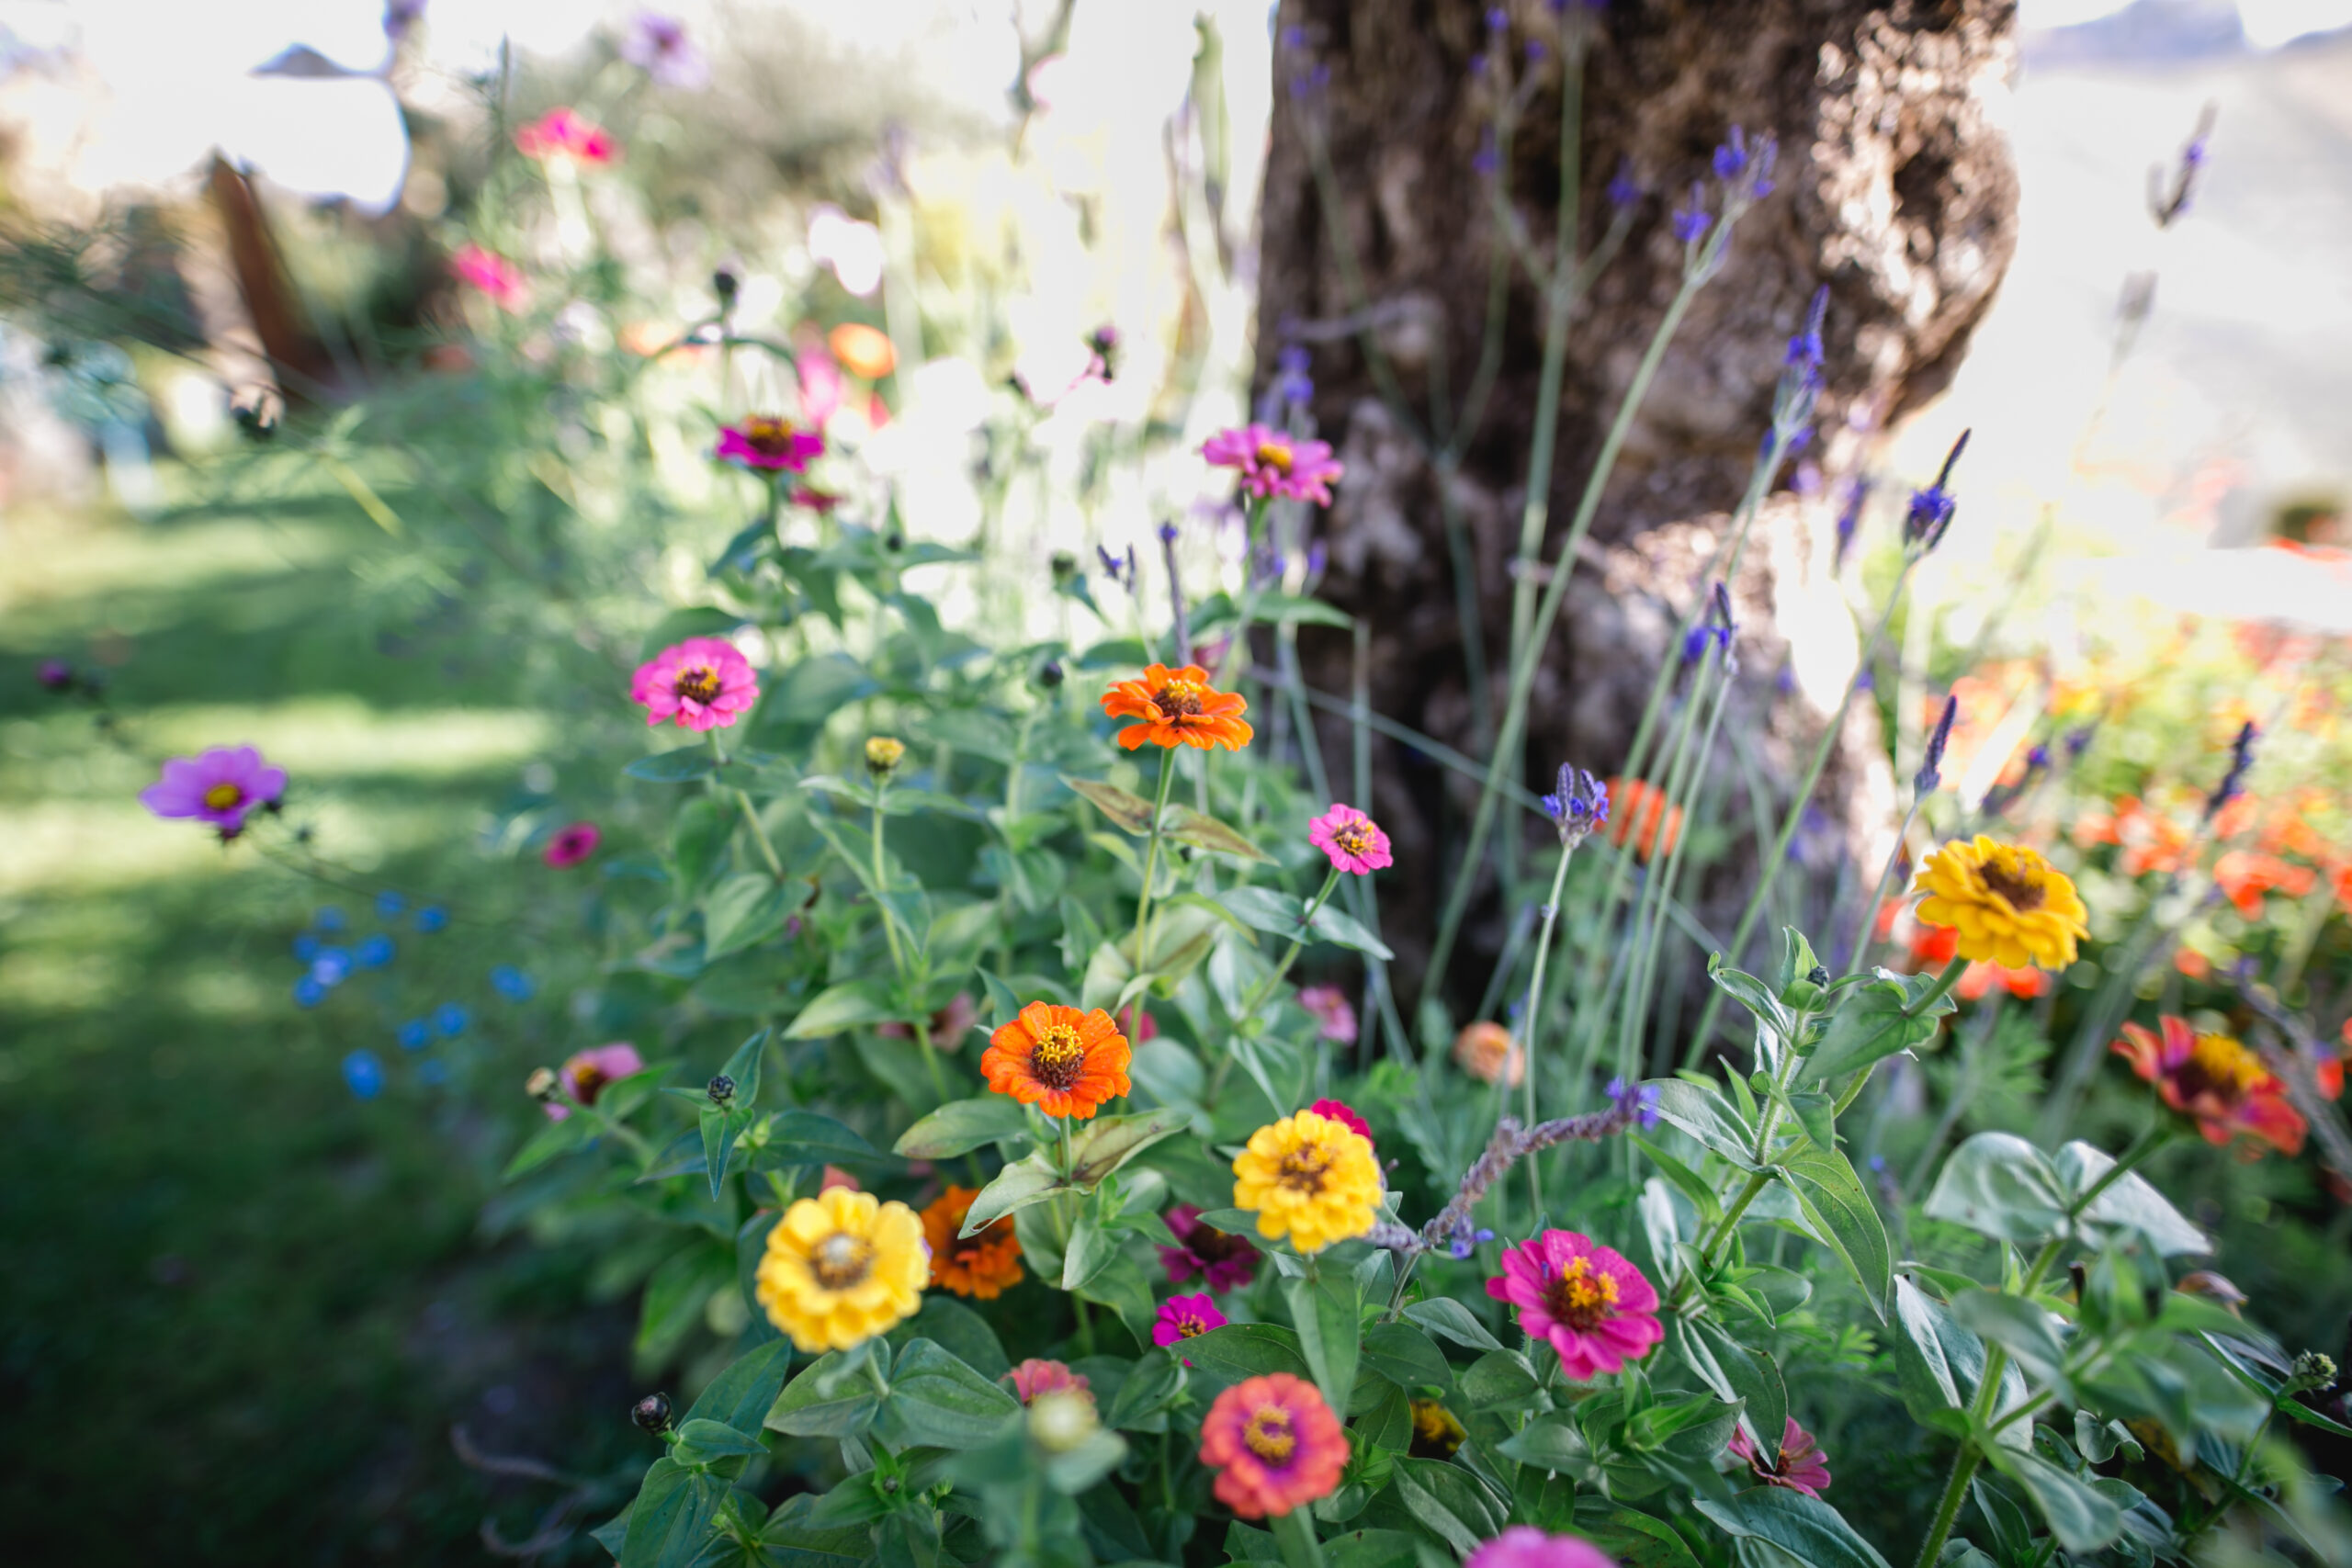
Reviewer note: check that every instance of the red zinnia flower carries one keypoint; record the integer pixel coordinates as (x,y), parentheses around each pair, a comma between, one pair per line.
(492,275)
(1064,1062)
(1185,1317)
(1034,1377)
(1275,1445)
(2215,1079)
(566,134)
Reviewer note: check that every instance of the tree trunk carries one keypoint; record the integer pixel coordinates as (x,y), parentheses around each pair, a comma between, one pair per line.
(1892,189)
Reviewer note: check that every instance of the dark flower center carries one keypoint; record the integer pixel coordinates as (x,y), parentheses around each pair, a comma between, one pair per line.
(768,438)
(699,682)
(221,796)
(1582,1297)
(1191,1327)
(2019,887)
(2219,1066)
(1059,1056)
(1353,837)
(1209,1246)
(840,1260)
(587,1079)
(1268,1434)
(1179,699)
(1304,1169)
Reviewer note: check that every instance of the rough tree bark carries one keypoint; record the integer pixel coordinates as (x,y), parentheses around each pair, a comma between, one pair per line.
(1894,189)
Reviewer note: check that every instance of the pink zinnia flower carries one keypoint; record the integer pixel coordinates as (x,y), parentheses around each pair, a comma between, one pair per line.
(658,47)
(1034,1377)
(584,1077)
(1275,1445)
(1344,1114)
(1353,841)
(500,280)
(1799,1466)
(220,787)
(1593,1305)
(702,682)
(1335,1016)
(1185,1317)
(564,133)
(572,845)
(1273,462)
(1524,1546)
(764,441)
(1223,1259)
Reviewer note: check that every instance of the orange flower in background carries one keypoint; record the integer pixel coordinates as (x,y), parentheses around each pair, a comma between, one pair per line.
(2151,841)
(984,1266)
(2215,1079)
(2245,875)
(1639,811)
(862,351)
(1178,707)
(1064,1062)
(2192,965)
(1934,946)
(1485,1049)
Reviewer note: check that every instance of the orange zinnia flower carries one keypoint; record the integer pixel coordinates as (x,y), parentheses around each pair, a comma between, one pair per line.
(1639,811)
(986,1265)
(1178,707)
(2216,1080)
(1062,1060)
(1933,948)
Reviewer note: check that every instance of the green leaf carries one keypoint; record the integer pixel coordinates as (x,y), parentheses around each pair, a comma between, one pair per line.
(1447,1500)
(1187,826)
(1110,1141)
(1740,1375)
(1340,929)
(1372,1549)
(556,1138)
(1004,1003)
(1500,1379)
(673,1519)
(1701,1110)
(1873,1021)
(1806,1527)
(938,1402)
(745,1065)
(1265,909)
(2080,1516)
(1632,1537)
(1018,1185)
(744,911)
(676,1294)
(1132,812)
(1941,1365)
(720,1129)
(2129,1202)
(674,767)
(844,1007)
(1999,1184)
(1843,1216)
(701,1441)
(1773,1024)
(1449,1319)
(1328,1315)
(962,1125)
(821,1403)
(791,1540)
(1551,1442)
(2016,1324)
(1405,1356)
(957,1330)
(1150,1388)
(807,1137)
(1240,1350)
(743,1395)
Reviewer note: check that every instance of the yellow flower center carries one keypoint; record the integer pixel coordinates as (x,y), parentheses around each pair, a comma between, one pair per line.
(1269,1435)
(1582,1296)
(221,796)
(586,1079)
(840,1260)
(2222,1064)
(1353,837)
(1191,1327)
(1058,1056)
(1304,1169)
(1277,456)
(700,681)
(2018,878)
(768,436)
(1179,699)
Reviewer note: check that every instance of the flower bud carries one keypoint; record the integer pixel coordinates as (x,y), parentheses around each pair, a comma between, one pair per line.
(721,1090)
(723,284)
(1816,976)
(652,1412)
(1049,674)
(2313,1371)
(541,1083)
(883,755)
(1065,569)
(56,675)
(1062,1420)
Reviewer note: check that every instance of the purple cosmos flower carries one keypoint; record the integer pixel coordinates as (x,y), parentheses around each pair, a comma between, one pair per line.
(220,787)
(658,47)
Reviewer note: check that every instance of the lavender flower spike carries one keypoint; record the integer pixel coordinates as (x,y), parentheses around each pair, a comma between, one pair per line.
(1581,805)
(2232,783)
(1931,509)
(1690,222)
(1930,774)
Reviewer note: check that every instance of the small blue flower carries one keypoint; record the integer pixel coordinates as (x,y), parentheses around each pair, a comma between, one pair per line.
(331,967)
(363,1074)
(389,904)
(328,918)
(374,952)
(511,983)
(1731,158)
(1460,1247)
(415,1034)
(431,918)
(1931,509)
(306,947)
(1637,1101)
(1849,519)
(1483,1234)
(449,1018)
(308,992)
(1581,805)
(1690,222)
(434,1071)
(1623,189)
(1291,373)
(1487,159)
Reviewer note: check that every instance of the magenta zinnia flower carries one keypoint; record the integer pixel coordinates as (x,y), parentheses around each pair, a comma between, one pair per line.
(1224,1260)
(492,273)
(764,441)
(572,845)
(1273,462)
(1185,1317)
(221,787)
(1799,1465)
(1353,841)
(1034,1377)
(1593,1305)
(1335,1016)
(1524,1546)
(702,682)
(565,133)
(1275,1445)
(658,47)
(584,1075)
(1344,1114)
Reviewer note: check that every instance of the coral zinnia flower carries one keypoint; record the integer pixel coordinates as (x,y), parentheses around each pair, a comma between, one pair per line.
(1483,1049)
(492,275)
(221,787)
(841,1267)
(1335,1016)
(765,441)
(702,682)
(1185,1317)
(586,1074)
(1275,1445)
(1639,811)
(1593,1305)
(1310,1179)
(861,350)
(985,1265)
(1524,1546)
(1034,1377)
(2008,905)
(1223,1259)
(566,134)
(1797,1464)
(572,845)
(1062,1060)
(1273,462)
(2215,1079)
(1178,707)
(1353,840)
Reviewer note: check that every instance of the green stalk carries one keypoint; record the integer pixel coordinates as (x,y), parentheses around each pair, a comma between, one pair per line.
(1294,1532)
(1527,1014)
(1683,798)
(750,816)
(1257,998)
(1656,886)
(1151,858)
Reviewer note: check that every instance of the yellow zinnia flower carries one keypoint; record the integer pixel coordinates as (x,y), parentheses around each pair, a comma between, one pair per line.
(841,1267)
(2005,903)
(1309,1178)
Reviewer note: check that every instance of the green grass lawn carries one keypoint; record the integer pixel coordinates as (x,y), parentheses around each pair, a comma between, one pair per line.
(241,1310)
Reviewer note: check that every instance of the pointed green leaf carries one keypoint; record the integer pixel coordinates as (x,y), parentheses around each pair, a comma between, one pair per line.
(1017,1186)
(1187,826)
(962,1125)
(844,1007)
(674,767)
(1843,1216)
(1132,812)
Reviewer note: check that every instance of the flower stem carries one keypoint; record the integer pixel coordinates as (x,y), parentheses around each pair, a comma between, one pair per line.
(1150,858)
(1858,942)
(1527,1013)
(1296,1532)
(751,815)
(1256,998)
